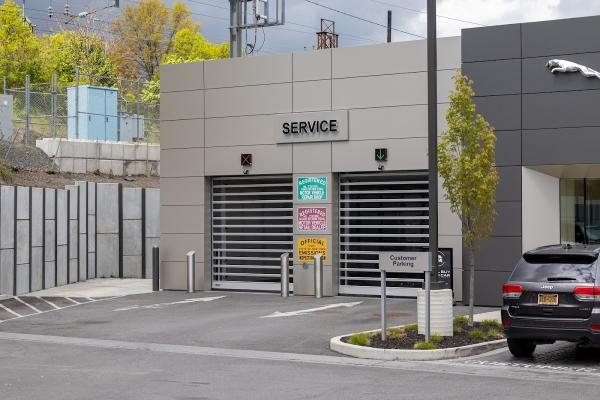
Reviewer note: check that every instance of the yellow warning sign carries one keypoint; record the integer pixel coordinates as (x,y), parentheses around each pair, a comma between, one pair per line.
(309,246)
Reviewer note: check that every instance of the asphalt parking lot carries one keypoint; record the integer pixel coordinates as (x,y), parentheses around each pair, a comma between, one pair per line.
(175,345)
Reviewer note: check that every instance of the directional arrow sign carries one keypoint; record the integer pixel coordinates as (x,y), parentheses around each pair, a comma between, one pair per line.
(278,314)
(381,154)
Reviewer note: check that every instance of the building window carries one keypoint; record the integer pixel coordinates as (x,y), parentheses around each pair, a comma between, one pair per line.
(580,211)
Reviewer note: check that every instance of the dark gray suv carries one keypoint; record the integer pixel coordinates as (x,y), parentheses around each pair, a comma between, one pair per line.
(553,294)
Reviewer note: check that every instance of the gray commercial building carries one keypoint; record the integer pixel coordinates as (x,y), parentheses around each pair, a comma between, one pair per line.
(326,151)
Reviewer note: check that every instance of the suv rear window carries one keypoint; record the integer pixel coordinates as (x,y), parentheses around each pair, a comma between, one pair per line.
(555,268)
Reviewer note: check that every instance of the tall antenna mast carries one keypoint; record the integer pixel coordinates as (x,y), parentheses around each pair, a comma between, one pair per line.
(327,38)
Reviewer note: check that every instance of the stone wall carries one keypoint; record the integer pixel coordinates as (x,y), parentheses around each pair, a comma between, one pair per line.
(113,158)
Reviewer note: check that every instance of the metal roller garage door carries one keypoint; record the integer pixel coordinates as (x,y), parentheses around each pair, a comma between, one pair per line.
(381,212)
(252,225)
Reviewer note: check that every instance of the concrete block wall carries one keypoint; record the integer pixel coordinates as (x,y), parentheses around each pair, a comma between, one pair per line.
(49,237)
(114,158)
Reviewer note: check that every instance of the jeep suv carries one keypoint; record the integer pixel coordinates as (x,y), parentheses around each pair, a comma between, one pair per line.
(553,294)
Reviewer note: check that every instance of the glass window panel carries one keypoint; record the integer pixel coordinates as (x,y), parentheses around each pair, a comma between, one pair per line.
(572,211)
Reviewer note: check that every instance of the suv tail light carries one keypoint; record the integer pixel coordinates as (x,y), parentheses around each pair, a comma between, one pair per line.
(511,291)
(587,293)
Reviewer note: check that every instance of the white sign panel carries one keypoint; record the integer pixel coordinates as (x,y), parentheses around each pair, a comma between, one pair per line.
(311,127)
(405,262)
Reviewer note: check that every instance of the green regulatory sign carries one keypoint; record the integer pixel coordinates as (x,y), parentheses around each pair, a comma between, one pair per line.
(312,188)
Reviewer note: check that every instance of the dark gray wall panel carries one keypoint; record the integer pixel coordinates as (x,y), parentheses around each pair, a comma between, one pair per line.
(537,78)
(508,219)
(567,36)
(561,146)
(491,43)
(509,185)
(502,112)
(494,77)
(488,287)
(561,109)
(508,148)
(498,253)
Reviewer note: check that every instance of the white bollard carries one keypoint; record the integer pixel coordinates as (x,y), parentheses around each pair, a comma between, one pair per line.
(441,312)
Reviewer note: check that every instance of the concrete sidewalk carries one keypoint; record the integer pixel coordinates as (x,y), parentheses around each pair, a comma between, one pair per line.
(103,287)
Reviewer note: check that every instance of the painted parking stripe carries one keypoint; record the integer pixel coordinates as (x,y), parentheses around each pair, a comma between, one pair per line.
(278,314)
(74,301)
(16,314)
(27,304)
(49,302)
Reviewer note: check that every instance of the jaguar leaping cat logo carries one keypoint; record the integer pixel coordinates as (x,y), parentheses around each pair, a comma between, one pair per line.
(568,66)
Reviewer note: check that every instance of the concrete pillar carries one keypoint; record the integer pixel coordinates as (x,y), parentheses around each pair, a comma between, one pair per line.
(132,233)
(7,240)
(62,235)
(107,230)
(49,238)
(37,238)
(22,244)
(91,230)
(314,200)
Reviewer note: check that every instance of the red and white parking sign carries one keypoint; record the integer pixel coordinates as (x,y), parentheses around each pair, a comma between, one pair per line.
(312,218)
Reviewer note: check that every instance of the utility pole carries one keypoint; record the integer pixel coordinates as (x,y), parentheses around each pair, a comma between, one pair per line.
(263,14)
(389,26)
(432,136)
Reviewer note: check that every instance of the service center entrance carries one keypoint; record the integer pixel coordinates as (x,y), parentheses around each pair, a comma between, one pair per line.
(252,225)
(381,212)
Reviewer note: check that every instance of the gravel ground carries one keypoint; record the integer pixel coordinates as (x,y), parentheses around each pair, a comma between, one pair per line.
(32,167)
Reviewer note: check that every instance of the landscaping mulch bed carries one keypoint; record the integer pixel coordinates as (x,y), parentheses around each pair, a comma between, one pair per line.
(407,337)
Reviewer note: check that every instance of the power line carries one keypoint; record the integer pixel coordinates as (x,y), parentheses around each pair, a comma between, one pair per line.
(362,19)
(425,12)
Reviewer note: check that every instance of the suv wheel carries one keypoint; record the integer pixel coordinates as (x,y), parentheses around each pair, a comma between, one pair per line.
(521,347)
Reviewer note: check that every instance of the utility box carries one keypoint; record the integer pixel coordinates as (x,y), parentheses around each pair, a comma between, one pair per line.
(6,115)
(96,114)
(131,127)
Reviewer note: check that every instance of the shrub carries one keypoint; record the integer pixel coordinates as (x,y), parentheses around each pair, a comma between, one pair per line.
(461,319)
(495,334)
(395,333)
(457,329)
(478,334)
(490,323)
(411,328)
(420,345)
(436,338)
(6,172)
(360,339)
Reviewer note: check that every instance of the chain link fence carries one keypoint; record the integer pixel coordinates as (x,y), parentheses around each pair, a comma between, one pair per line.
(94,108)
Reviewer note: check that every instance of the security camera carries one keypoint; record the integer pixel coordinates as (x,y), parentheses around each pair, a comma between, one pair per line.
(245,171)
(380,167)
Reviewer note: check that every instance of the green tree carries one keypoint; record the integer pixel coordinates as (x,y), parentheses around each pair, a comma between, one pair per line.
(190,45)
(144,35)
(63,52)
(466,155)
(19,46)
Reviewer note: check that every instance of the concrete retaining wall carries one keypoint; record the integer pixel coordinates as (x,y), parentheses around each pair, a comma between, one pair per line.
(49,237)
(114,158)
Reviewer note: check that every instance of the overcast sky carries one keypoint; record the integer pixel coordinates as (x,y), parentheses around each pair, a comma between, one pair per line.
(303,18)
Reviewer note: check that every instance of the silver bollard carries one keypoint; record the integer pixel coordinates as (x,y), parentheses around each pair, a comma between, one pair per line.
(191,271)
(285,274)
(318,275)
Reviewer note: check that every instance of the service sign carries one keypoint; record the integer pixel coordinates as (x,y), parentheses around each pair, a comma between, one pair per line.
(309,246)
(311,188)
(404,262)
(312,218)
(311,127)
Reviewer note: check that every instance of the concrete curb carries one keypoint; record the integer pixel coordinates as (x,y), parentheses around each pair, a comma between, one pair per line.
(336,344)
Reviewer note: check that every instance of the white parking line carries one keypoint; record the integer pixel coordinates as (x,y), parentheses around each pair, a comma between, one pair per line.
(16,314)
(27,304)
(74,301)
(49,302)
(278,314)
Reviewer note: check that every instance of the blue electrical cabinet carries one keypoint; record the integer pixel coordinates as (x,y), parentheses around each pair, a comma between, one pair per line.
(97,114)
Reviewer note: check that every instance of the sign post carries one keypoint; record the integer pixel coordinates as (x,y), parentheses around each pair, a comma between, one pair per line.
(406,262)
(383,316)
